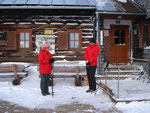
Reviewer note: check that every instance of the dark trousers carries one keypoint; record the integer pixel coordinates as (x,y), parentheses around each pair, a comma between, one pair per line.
(44,83)
(91,77)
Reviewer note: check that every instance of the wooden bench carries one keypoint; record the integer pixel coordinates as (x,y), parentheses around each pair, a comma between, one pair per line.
(12,71)
(77,72)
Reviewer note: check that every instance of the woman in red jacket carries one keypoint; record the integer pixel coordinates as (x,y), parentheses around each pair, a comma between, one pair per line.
(91,55)
(45,59)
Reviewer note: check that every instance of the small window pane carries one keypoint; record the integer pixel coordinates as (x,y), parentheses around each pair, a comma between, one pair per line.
(122,40)
(22,36)
(76,36)
(116,40)
(26,36)
(21,44)
(71,44)
(2,36)
(117,33)
(76,44)
(27,44)
(71,36)
(122,34)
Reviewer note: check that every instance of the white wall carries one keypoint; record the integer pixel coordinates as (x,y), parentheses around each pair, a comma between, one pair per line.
(108,22)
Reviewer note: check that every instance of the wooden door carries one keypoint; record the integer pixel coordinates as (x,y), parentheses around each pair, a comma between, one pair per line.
(119,35)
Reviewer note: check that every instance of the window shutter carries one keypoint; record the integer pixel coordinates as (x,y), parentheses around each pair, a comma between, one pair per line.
(11,40)
(62,41)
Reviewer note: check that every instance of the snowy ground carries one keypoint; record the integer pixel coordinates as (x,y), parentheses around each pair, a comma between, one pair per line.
(28,94)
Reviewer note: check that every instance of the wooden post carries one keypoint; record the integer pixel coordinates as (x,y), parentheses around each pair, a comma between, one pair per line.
(77,72)
(77,79)
(15,71)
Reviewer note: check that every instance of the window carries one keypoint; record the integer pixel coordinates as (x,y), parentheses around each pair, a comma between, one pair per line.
(25,39)
(119,37)
(70,40)
(75,39)
(2,36)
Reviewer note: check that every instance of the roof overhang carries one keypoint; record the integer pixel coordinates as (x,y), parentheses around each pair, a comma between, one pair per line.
(121,13)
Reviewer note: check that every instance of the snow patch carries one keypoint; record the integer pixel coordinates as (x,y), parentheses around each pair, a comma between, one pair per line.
(28,93)
(147,47)
(125,1)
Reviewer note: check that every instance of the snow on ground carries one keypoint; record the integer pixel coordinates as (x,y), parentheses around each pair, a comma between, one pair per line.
(28,94)
(130,89)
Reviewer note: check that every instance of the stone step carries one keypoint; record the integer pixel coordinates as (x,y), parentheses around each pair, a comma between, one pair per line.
(124,70)
(122,73)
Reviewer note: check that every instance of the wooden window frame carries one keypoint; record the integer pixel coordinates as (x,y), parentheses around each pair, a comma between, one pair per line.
(80,39)
(30,39)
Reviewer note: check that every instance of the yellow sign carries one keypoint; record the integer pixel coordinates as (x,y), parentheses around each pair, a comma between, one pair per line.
(48,32)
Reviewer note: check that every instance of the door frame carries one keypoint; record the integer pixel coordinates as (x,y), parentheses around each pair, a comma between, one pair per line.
(127,43)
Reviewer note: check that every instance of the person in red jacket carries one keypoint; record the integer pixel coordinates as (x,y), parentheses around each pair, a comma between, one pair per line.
(45,60)
(91,55)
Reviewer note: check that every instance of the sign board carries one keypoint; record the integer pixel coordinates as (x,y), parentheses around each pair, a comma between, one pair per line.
(42,39)
(48,32)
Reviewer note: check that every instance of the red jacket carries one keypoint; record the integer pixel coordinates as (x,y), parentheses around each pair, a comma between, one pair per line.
(44,65)
(91,54)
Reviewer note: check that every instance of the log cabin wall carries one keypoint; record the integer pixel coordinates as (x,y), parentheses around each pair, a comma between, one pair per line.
(141,31)
(38,21)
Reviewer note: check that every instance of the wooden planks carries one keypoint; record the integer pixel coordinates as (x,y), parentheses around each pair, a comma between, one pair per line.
(42,20)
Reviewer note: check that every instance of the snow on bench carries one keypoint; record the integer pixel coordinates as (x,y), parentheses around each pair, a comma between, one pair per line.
(12,70)
(70,69)
(11,74)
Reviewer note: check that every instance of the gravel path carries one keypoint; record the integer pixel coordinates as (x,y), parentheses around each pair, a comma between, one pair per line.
(6,107)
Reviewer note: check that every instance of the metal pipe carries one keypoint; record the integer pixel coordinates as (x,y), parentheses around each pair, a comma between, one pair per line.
(97,40)
(118,81)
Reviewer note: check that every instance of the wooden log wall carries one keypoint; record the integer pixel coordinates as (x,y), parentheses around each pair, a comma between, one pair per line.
(41,20)
(142,53)
(137,52)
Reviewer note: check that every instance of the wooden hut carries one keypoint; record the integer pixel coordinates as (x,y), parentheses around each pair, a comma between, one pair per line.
(115,30)
(24,25)
(67,26)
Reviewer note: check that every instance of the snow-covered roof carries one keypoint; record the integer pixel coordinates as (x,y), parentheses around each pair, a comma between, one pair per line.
(48,2)
(99,5)
(105,5)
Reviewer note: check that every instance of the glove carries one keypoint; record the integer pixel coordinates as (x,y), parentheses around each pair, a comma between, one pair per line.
(51,60)
(88,65)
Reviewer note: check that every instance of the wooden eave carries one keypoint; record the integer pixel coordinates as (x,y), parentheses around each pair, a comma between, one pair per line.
(124,17)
